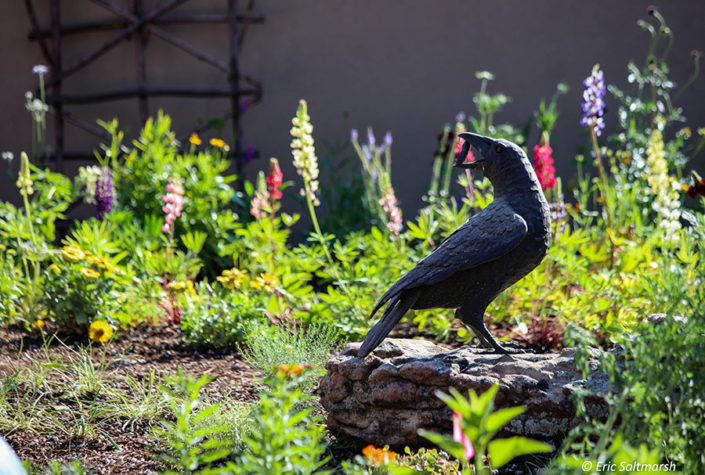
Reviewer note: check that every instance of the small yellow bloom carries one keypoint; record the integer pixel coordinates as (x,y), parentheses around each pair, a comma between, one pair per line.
(100,261)
(219,143)
(180,287)
(55,269)
(39,324)
(89,273)
(195,139)
(232,278)
(2,247)
(100,331)
(267,282)
(73,253)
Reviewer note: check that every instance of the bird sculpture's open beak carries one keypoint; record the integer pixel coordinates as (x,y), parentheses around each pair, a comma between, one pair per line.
(480,145)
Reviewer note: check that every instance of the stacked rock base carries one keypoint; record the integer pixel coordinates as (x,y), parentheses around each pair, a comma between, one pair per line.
(386,398)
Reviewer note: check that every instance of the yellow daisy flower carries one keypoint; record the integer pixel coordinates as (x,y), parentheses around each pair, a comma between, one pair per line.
(219,143)
(267,282)
(180,287)
(232,278)
(100,331)
(73,253)
(54,269)
(100,261)
(195,139)
(89,273)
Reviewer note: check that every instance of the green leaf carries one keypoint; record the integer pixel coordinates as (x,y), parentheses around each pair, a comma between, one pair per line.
(501,451)
(454,448)
(501,417)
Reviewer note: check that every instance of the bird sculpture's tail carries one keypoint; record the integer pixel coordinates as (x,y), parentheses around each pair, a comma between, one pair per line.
(392,314)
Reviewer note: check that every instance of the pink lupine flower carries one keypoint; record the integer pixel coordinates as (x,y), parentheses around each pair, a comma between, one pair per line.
(459,436)
(173,203)
(459,148)
(543,164)
(256,205)
(389,204)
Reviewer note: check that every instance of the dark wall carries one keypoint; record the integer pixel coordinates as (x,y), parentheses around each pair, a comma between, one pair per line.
(406,66)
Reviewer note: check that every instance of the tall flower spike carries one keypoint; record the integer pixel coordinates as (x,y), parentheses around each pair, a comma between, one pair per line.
(24,180)
(173,203)
(104,193)
(593,104)
(304,152)
(389,203)
(543,164)
(663,186)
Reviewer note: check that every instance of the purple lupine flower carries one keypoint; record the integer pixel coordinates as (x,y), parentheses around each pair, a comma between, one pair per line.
(244,104)
(249,153)
(460,117)
(368,153)
(370,137)
(104,194)
(388,139)
(593,104)
(374,175)
(354,135)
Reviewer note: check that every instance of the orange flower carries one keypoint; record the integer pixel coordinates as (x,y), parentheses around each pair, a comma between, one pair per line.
(39,324)
(293,369)
(378,456)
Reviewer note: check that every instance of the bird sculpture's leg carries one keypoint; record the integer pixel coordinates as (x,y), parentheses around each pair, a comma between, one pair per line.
(475,321)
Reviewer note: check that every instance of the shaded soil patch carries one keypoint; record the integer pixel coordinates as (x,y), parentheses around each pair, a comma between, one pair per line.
(116,445)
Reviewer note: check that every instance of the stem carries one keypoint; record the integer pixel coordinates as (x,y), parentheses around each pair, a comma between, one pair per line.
(605,203)
(321,239)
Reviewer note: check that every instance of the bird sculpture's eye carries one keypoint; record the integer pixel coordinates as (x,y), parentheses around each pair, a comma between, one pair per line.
(498,148)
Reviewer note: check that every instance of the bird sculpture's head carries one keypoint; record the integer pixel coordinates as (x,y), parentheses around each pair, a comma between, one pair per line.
(489,155)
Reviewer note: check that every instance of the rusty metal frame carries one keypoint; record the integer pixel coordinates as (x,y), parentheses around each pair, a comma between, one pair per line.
(138,23)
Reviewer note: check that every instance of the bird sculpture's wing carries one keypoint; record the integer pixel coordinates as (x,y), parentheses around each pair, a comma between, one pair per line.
(488,235)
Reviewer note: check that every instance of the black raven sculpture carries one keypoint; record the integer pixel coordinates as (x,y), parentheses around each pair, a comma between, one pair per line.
(490,252)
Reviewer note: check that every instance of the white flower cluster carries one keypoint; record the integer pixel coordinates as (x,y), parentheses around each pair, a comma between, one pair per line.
(663,186)
(87,180)
(304,152)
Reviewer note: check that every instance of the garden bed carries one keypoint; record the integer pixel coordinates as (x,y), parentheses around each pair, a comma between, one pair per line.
(113,444)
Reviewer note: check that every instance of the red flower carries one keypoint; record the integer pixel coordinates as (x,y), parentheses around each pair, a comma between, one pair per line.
(275,179)
(543,164)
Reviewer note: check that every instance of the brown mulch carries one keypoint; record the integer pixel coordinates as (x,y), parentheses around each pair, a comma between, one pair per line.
(120,448)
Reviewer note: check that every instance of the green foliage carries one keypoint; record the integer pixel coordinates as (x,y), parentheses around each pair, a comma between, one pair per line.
(480,424)
(189,445)
(429,461)
(270,347)
(285,438)
(81,287)
(143,172)
(217,316)
(656,400)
